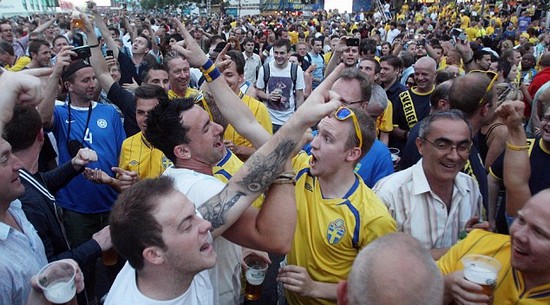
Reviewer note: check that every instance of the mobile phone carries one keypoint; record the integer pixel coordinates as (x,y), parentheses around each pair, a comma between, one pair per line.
(352,42)
(110,53)
(83,52)
(455,32)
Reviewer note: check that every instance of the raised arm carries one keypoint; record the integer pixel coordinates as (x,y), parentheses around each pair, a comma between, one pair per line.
(516,167)
(100,24)
(46,108)
(97,60)
(336,55)
(229,104)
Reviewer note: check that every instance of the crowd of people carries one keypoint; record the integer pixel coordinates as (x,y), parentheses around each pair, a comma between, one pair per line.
(361,155)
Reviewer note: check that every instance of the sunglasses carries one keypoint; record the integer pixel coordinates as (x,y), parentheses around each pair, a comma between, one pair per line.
(493,75)
(342,114)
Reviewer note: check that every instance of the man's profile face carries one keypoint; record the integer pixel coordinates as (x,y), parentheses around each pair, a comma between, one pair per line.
(350,93)
(530,236)
(43,56)
(185,234)
(9,174)
(205,137)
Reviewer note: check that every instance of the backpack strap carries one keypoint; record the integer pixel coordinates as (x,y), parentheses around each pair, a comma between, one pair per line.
(294,77)
(266,74)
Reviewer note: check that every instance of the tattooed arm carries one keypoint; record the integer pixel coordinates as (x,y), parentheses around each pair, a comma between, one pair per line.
(262,168)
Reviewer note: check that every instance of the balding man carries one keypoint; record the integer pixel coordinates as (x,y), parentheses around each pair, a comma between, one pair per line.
(381,265)
(525,274)
(414,104)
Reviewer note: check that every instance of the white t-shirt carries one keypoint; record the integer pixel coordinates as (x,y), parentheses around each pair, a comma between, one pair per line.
(226,274)
(281,81)
(125,291)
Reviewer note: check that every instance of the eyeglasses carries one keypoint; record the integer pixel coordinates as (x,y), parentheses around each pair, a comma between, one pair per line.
(493,75)
(446,146)
(351,103)
(342,114)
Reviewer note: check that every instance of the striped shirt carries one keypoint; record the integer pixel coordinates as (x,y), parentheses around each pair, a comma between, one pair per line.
(22,256)
(421,213)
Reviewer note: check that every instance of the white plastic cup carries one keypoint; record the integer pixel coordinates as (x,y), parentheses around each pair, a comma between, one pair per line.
(394,154)
(57,280)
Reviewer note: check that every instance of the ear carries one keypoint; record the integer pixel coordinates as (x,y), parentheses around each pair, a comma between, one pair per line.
(342,293)
(40,136)
(182,152)
(420,145)
(443,104)
(241,79)
(353,154)
(153,255)
(484,110)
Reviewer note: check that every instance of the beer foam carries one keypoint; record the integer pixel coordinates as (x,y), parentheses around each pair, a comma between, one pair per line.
(60,292)
(480,273)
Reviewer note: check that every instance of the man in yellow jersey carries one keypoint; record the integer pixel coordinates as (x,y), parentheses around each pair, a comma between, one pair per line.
(234,76)
(137,154)
(337,213)
(524,277)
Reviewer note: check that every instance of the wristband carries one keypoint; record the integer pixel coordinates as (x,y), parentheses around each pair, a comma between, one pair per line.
(515,147)
(209,71)
(94,46)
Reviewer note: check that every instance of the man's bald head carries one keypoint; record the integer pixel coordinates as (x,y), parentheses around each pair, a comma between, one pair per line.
(424,74)
(426,62)
(394,269)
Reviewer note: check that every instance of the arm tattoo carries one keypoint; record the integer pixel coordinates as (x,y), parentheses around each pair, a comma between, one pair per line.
(264,169)
(215,208)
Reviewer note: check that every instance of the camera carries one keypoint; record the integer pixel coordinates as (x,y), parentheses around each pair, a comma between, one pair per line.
(81,53)
(352,42)
(110,53)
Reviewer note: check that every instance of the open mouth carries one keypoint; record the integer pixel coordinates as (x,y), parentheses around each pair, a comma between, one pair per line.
(206,247)
(312,160)
(520,252)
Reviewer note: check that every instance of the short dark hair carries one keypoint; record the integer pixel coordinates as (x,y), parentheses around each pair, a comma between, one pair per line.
(132,224)
(441,91)
(282,43)
(34,45)
(150,91)
(154,66)
(6,47)
(164,128)
(238,60)
(22,129)
(393,61)
(504,66)
(248,40)
(117,31)
(59,37)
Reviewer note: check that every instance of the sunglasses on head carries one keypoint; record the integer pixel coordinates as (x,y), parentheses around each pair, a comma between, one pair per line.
(493,75)
(342,114)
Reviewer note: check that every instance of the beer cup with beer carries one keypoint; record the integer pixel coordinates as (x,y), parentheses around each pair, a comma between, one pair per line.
(255,269)
(482,270)
(57,281)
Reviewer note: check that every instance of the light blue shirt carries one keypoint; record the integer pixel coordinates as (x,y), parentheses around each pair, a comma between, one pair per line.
(22,256)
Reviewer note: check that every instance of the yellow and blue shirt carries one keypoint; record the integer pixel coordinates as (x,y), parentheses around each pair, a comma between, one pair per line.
(330,232)
(510,286)
(140,156)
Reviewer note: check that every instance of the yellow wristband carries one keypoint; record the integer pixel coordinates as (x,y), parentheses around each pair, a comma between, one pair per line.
(515,147)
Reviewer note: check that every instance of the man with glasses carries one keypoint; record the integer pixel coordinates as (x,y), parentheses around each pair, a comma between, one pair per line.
(432,200)
(337,213)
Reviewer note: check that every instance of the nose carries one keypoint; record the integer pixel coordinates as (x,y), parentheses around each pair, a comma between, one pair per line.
(17,164)
(205,226)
